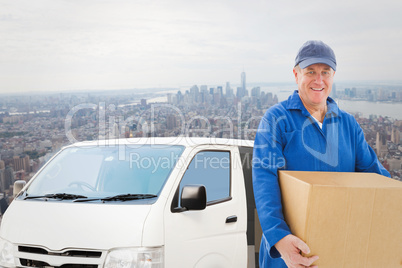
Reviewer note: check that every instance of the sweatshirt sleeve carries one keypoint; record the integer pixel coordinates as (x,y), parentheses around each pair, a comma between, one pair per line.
(267,159)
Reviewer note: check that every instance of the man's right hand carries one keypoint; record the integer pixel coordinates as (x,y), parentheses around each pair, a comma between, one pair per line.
(290,248)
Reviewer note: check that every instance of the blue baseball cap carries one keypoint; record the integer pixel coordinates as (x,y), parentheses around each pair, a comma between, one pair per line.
(315,51)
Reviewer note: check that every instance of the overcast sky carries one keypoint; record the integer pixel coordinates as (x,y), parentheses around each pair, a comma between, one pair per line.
(51,45)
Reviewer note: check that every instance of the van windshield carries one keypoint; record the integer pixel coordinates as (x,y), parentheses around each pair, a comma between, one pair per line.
(103,171)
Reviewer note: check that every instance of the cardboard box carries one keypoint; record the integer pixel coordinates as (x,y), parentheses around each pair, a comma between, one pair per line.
(347,219)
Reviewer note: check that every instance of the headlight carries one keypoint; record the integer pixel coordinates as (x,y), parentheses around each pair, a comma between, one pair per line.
(6,254)
(135,258)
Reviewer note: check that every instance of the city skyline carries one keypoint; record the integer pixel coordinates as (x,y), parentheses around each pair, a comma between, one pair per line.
(28,140)
(105,45)
(363,98)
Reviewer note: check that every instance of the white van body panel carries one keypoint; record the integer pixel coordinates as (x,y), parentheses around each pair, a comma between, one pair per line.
(203,238)
(57,225)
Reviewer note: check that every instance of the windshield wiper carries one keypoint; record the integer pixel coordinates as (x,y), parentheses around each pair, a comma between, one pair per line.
(62,196)
(120,197)
(125,197)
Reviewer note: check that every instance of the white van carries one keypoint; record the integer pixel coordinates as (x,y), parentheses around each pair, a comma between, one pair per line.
(155,202)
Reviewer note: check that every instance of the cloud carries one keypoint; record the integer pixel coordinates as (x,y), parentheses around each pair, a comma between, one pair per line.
(55,44)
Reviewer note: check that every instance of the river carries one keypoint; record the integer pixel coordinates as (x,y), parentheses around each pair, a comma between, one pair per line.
(367,108)
(364,108)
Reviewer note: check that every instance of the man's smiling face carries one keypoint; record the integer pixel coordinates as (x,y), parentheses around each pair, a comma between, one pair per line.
(314,83)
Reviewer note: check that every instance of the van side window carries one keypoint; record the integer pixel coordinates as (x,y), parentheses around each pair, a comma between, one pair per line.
(211,169)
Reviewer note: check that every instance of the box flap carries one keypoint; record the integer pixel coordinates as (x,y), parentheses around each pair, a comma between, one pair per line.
(344,179)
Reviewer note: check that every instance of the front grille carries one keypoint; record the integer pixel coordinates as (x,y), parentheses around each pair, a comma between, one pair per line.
(70,253)
(33,263)
(32,250)
(41,257)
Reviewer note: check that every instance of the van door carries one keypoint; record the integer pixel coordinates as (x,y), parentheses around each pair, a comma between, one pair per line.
(215,236)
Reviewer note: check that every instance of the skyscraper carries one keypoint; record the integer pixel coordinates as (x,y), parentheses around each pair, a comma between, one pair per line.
(21,163)
(227,87)
(194,93)
(220,90)
(143,102)
(241,91)
(381,144)
(8,177)
(171,121)
(229,90)
(395,136)
(243,80)
(256,92)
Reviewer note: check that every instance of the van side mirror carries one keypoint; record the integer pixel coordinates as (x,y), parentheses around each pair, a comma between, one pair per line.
(18,185)
(193,197)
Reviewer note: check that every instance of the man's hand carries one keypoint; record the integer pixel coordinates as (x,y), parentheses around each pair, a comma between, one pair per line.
(290,248)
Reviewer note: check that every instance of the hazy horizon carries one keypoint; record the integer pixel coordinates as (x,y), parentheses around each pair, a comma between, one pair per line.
(290,86)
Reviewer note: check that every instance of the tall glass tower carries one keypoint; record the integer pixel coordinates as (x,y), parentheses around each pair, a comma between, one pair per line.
(243,82)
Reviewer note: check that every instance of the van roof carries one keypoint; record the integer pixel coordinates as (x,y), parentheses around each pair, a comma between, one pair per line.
(185,141)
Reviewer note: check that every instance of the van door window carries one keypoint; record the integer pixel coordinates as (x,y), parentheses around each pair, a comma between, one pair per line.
(211,169)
